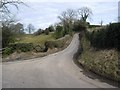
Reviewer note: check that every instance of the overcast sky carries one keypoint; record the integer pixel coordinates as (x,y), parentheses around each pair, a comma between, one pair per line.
(42,13)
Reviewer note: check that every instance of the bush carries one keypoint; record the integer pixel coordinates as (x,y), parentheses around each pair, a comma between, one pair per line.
(54,44)
(59,32)
(51,28)
(79,26)
(8,51)
(38,32)
(106,37)
(102,62)
(38,48)
(113,35)
(23,47)
(7,36)
(46,32)
(51,44)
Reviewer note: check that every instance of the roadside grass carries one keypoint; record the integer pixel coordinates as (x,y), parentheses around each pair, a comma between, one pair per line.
(102,62)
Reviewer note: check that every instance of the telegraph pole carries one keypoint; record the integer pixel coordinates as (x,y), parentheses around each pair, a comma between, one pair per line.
(119,11)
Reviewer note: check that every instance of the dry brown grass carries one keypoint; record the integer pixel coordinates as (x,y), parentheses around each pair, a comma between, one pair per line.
(102,62)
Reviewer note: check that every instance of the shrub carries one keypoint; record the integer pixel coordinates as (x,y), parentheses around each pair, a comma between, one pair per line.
(38,32)
(38,48)
(59,43)
(54,44)
(50,44)
(7,36)
(102,62)
(23,47)
(51,28)
(59,32)
(79,26)
(106,37)
(46,32)
(113,35)
(8,51)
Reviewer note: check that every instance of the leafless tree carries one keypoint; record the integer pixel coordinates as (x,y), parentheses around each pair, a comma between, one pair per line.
(30,28)
(67,18)
(6,20)
(84,13)
(4,5)
(6,15)
(63,17)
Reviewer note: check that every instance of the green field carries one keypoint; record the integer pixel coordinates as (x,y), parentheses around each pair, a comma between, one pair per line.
(40,39)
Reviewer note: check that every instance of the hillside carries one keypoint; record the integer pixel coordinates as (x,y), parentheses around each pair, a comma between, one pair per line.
(31,46)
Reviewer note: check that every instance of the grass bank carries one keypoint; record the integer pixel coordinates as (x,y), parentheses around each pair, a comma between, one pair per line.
(102,62)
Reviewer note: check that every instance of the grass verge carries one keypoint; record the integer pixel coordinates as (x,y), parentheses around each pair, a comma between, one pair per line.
(101,62)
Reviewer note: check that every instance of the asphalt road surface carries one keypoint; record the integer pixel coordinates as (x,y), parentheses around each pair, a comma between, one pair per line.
(53,71)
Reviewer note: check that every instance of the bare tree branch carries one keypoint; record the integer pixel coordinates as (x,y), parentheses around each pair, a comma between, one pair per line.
(4,4)
(5,10)
(84,13)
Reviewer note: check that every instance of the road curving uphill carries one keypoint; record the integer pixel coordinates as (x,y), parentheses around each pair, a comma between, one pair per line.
(53,71)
